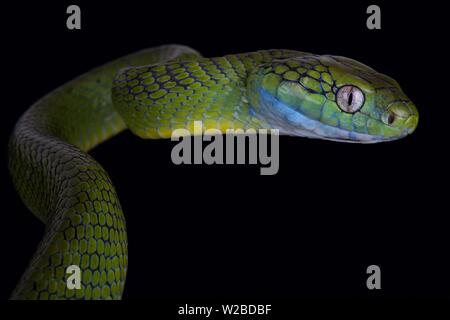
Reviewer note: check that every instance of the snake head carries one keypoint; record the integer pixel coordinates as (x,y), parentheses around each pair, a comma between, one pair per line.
(330,97)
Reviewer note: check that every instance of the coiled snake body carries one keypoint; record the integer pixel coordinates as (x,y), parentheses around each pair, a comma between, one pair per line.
(153,92)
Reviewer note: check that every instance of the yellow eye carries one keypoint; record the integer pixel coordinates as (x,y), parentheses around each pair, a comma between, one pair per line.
(349,98)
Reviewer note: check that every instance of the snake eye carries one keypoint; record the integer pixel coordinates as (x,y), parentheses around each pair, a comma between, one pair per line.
(349,98)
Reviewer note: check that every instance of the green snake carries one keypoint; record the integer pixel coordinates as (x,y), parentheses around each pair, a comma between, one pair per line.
(152,93)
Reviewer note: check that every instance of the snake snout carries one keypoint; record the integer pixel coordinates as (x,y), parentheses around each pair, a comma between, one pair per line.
(402,116)
(411,124)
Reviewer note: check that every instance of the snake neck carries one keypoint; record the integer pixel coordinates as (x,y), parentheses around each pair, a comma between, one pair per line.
(155,100)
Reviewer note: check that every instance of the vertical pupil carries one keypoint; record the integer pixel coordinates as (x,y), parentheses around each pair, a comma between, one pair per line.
(350,98)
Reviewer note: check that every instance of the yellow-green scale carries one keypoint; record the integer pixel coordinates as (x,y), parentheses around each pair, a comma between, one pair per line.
(156,100)
(69,191)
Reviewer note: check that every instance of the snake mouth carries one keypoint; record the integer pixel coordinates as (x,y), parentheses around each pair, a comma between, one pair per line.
(371,140)
(293,122)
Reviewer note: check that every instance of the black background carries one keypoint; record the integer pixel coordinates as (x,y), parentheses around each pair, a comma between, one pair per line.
(226,232)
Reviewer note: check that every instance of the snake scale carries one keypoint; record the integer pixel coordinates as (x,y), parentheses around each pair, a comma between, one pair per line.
(152,92)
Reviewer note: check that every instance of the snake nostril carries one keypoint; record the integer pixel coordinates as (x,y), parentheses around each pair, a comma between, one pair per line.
(391,118)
